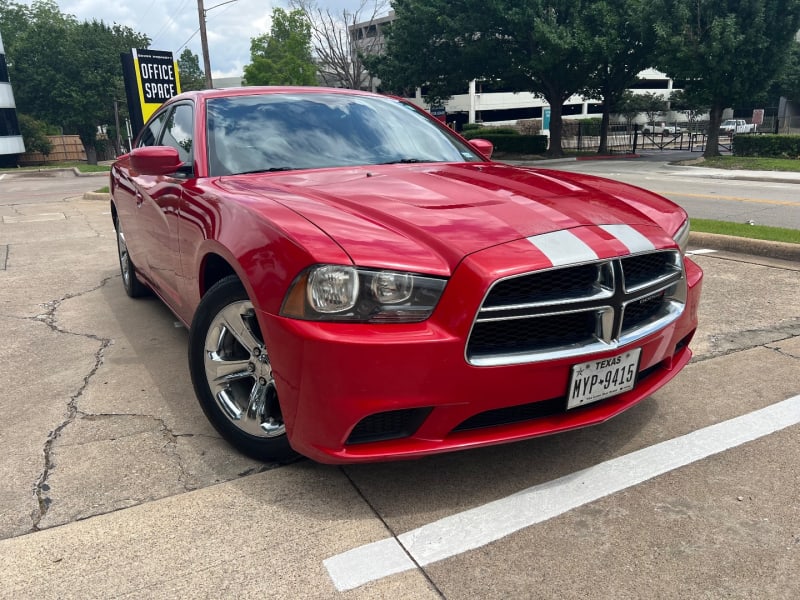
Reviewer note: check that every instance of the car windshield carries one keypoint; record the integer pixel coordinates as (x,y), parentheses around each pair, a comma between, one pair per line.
(281,132)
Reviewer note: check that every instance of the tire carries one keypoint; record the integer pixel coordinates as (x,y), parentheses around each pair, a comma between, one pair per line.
(133,287)
(232,374)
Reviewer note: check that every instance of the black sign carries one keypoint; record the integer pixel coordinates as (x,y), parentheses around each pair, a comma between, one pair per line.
(151,78)
(157,74)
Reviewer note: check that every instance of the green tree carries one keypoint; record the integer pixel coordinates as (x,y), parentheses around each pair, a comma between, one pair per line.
(727,51)
(624,46)
(67,72)
(34,135)
(788,80)
(541,46)
(652,105)
(13,21)
(689,105)
(630,105)
(192,76)
(282,56)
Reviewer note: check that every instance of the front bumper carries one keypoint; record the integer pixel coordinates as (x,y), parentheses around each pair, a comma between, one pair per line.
(414,380)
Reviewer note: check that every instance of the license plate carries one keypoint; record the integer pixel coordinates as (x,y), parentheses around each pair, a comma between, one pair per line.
(597,379)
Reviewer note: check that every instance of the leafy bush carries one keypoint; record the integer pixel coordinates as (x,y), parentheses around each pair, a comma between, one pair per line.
(774,146)
(34,135)
(516,143)
(470,126)
(482,132)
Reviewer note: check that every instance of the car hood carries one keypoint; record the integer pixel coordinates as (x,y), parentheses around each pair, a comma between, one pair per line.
(429,217)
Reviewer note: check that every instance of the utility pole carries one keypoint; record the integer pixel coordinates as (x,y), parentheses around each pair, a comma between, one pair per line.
(201,12)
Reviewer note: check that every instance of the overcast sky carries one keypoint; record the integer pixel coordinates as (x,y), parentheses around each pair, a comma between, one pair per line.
(173,25)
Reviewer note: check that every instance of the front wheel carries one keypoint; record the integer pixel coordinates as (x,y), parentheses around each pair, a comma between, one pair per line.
(232,374)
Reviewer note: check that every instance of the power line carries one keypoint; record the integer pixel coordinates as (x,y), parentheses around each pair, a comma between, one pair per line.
(170,20)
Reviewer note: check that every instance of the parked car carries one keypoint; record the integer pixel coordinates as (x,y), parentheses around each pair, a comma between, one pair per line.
(661,129)
(360,283)
(733,126)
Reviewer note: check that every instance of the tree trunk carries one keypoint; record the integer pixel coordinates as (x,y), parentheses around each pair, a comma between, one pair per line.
(712,139)
(91,154)
(603,148)
(555,150)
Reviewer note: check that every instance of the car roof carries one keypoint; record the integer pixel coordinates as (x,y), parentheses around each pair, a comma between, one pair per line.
(271,89)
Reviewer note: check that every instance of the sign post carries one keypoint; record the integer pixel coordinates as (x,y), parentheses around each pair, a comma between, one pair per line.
(151,78)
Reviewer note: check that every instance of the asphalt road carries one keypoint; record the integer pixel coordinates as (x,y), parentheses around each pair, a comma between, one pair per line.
(112,483)
(764,198)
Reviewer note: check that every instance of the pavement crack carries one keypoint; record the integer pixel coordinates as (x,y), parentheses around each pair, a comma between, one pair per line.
(41,487)
(782,352)
(393,533)
(170,448)
(727,344)
(88,222)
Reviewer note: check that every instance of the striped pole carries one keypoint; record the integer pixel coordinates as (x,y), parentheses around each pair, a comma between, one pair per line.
(10,137)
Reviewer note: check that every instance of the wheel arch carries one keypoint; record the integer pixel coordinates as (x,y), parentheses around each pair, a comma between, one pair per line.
(214,268)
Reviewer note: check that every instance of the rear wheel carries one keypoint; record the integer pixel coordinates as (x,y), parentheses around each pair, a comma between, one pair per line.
(232,373)
(133,287)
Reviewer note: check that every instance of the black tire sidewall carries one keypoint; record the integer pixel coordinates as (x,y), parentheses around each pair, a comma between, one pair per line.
(223,293)
(133,287)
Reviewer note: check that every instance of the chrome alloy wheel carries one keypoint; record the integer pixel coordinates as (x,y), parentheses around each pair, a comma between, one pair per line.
(239,373)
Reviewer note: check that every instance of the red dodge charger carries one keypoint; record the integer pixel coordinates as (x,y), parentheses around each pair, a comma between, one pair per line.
(360,283)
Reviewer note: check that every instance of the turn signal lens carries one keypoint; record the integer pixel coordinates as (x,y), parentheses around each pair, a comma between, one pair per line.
(681,236)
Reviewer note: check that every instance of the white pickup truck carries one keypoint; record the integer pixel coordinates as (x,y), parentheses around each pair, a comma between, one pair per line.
(731,126)
(661,128)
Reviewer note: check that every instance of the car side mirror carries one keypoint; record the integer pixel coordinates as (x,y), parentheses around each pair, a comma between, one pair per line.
(485,147)
(155,160)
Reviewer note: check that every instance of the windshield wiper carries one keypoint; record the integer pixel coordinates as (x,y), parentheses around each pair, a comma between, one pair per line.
(270,170)
(404,161)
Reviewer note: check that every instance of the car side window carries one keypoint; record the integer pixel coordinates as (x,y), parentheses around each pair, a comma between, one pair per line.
(150,133)
(178,132)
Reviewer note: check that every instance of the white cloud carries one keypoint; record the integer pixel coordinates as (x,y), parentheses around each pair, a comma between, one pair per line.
(174,24)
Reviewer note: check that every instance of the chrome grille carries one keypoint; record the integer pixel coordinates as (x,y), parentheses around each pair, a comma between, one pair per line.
(578,309)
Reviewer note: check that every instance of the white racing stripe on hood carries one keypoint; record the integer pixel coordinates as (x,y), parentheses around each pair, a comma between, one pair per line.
(563,248)
(633,240)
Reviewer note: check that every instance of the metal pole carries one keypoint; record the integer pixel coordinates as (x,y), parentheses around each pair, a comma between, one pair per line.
(118,149)
(204,43)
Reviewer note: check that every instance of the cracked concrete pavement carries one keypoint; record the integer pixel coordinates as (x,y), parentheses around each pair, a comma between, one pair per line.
(92,424)
(113,484)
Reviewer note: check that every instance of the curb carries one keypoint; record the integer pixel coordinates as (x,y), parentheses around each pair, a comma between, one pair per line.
(97,196)
(739,245)
(766,178)
(608,156)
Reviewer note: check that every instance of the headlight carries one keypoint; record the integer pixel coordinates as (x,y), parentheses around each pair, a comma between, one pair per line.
(346,293)
(681,236)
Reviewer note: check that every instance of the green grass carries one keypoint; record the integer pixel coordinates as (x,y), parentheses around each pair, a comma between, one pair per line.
(751,163)
(758,232)
(103,190)
(82,167)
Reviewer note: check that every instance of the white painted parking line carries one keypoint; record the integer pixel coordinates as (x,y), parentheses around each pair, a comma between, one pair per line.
(34,218)
(484,524)
(701,251)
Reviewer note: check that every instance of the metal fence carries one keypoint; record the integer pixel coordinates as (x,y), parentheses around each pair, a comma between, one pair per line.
(624,138)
